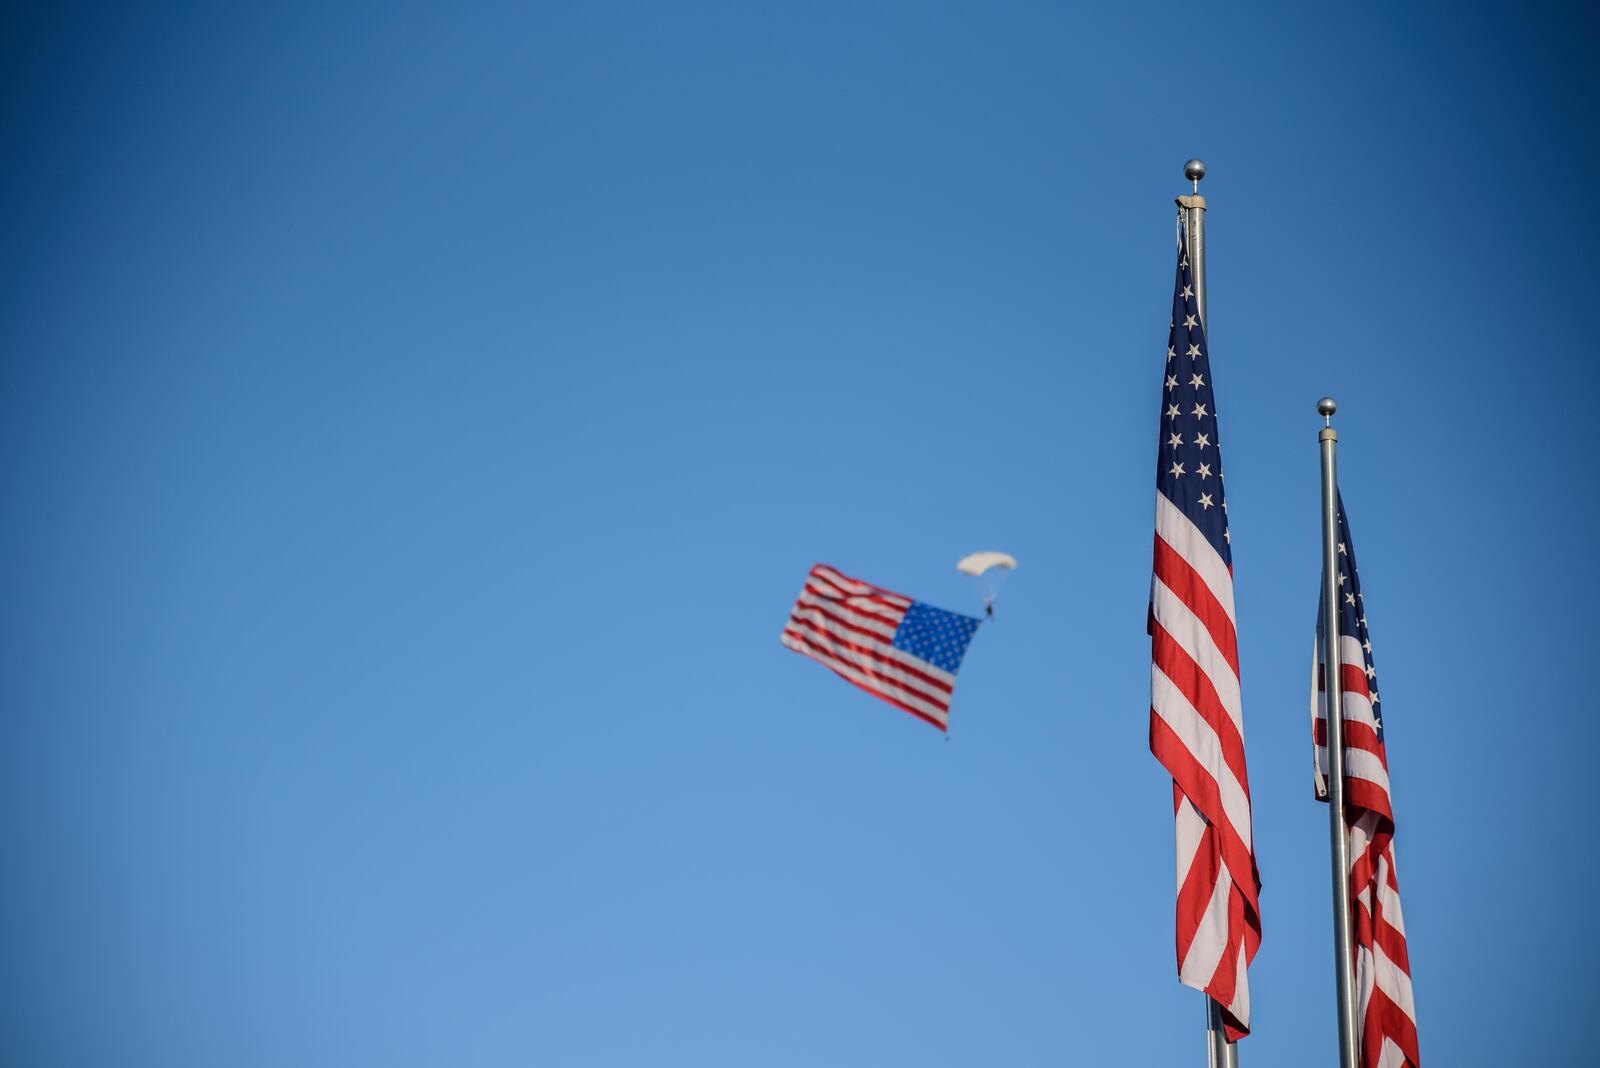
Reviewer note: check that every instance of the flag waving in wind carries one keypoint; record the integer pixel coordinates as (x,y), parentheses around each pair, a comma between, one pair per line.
(1386,1018)
(900,650)
(1196,726)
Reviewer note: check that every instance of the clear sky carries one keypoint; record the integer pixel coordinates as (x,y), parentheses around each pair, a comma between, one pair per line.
(416,423)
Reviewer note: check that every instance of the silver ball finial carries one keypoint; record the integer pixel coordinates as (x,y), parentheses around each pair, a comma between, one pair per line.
(1326,407)
(1194,170)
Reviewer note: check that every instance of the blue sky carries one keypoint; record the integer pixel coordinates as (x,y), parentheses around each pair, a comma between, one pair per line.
(415,425)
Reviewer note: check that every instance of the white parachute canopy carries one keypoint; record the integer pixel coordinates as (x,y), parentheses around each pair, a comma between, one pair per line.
(978,563)
(990,569)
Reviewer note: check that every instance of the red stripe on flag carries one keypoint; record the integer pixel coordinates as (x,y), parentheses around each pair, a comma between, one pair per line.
(1197,784)
(1186,675)
(935,689)
(829,663)
(1176,575)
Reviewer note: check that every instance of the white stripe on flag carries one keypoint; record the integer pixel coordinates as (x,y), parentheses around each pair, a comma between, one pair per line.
(1178,531)
(878,685)
(1198,737)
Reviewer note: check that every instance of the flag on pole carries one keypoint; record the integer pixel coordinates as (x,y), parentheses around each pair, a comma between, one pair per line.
(1196,726)
(1386,1017)
(895,648)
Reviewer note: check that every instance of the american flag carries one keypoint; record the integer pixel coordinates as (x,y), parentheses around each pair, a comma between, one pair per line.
(1386,1018)
(895,648)
(1196,726)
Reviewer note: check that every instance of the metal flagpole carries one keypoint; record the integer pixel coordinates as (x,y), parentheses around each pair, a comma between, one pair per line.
(1220,1053)
(1333,690)
(1194,225)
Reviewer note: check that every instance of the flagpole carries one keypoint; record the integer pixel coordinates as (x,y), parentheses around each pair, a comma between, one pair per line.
(1220,1053)
(1194,224)
(1333,690)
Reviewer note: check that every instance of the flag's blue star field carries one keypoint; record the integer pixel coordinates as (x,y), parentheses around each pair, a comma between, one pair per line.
(1189,462)
(934,635)
(1353,611)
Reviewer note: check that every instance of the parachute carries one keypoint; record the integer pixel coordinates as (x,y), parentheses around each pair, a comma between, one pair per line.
(990,569)
(978,563)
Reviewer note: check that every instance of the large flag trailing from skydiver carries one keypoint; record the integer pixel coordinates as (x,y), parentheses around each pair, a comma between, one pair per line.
(1196,724)
(900,650)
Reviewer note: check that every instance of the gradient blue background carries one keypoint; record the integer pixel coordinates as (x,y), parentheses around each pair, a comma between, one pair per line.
(415,424)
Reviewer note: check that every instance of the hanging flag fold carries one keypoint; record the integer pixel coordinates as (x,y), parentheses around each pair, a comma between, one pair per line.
(1196,721)
(1386,1017)
(902,651)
